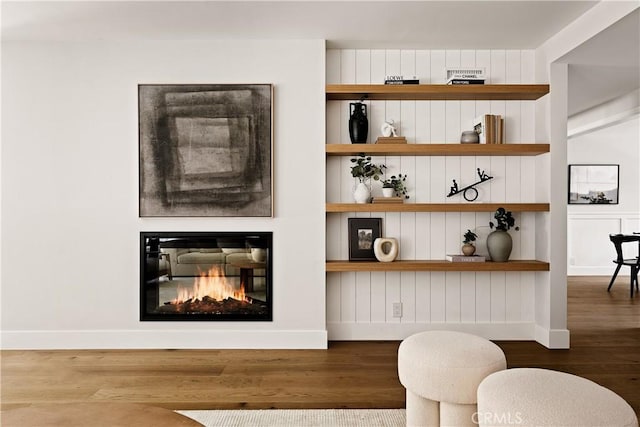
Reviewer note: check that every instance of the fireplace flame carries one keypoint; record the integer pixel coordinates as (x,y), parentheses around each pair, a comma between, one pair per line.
(213,284)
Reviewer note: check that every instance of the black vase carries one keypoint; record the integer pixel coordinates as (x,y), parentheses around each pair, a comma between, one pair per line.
(358,123)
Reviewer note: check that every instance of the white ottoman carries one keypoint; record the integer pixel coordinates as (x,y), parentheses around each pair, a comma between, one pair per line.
(441,371)
(541,397)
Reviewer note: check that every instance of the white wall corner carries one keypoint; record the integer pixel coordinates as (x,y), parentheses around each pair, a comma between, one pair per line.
(555,339)
(558,196)
(551,236)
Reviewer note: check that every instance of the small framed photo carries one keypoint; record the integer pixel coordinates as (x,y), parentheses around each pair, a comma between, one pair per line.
(593,184)
(362,233)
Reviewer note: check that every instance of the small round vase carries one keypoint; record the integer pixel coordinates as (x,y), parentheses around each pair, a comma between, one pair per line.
(469,137)
(499,245)
(468,249)
(387,192)
(362,193)
(385,249)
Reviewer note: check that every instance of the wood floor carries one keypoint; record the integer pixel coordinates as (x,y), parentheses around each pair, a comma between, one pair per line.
(605,347)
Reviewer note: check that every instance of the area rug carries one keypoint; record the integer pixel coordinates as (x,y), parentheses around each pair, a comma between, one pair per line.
(299,417)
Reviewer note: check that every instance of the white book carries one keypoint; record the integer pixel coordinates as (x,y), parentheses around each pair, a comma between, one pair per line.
(465,258)
(480,126)
(477,73)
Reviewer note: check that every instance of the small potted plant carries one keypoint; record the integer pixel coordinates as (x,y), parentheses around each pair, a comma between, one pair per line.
(468,248)
(394,186)
(364,170)
(499,242)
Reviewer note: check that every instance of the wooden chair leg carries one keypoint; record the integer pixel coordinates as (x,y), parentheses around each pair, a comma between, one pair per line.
(613,279)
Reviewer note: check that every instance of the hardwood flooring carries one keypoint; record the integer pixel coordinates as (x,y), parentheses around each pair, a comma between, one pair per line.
(605,347)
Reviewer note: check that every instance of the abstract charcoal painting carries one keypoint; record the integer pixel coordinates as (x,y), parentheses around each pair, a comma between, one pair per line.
(205,150)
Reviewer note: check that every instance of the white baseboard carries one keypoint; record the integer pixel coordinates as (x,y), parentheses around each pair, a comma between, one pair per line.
(341,331)
(608,270)
(163,339)
(553,338)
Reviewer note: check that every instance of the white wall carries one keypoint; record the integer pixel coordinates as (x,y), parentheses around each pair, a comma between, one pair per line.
(498,305)
(589,226)
(70,226)
(551,293)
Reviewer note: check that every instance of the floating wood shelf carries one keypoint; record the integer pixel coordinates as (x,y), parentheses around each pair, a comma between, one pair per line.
(436,207)
(436,265)
(437,149)
(525,92)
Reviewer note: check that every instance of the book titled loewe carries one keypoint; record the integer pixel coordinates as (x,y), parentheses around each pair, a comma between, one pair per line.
(465,258)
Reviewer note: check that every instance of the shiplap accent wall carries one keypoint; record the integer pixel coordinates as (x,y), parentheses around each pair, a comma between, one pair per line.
(493,304)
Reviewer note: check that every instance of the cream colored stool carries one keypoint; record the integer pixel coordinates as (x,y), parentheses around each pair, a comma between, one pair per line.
(441,371)
(541,397)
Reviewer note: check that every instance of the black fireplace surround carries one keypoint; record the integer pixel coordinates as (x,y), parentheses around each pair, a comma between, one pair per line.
(206,276)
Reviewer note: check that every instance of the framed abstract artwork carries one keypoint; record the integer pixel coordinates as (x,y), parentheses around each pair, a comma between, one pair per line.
(205,150)
(593,184)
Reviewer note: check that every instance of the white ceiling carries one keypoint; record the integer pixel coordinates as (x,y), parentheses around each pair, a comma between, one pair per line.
(606,66)
(372,24)
(602,68)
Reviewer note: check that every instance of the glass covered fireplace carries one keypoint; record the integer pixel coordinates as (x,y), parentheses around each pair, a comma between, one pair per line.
(205,276)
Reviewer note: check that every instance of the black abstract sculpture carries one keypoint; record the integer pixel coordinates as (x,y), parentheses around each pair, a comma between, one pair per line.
(473,193)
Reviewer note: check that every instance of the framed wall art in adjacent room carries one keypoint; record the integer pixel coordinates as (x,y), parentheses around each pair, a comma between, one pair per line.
(593,184)
(205,150)
(362,233)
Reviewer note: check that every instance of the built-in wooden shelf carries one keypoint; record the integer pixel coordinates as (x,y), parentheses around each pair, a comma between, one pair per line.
(437,149)
(352,92)
(436,265)
(436,207)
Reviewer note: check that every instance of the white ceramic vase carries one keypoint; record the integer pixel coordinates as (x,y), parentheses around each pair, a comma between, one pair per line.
(362,193)
(385,249)
(387,192)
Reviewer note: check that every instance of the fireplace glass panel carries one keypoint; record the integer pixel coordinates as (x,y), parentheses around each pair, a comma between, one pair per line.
(205,276)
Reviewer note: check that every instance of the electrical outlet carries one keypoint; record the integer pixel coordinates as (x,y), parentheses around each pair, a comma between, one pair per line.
(397,309)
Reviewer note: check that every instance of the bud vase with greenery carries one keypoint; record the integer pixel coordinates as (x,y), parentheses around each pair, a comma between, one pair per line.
(468,248)
(365,171)
(394,186)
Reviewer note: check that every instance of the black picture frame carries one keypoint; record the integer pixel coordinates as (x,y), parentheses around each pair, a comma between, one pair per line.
(205,150)
(593,184)
(362,233)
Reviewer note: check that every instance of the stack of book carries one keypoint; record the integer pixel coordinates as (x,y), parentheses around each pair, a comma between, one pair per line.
(490,128)
(400,80)
(465,258)
(460,76)
(391,140)
(388,200)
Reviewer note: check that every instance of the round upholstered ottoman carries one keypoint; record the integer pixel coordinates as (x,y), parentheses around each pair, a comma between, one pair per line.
(441,371)
(541,397)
